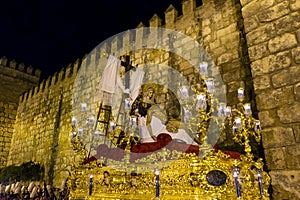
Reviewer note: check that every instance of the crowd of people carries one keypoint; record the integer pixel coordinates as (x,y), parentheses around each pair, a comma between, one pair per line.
(17,190)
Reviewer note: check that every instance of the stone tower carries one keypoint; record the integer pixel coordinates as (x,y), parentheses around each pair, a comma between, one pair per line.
(15,80)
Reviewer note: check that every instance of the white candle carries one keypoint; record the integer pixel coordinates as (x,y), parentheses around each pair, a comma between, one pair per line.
(91,120)
(133,121)
(221,111)
(83,107)
(97,135)
(241,93)
(127,104)
(203,68)
(228,111)
(210,86)
(238,122)
(112,126)
(247,108)
(184,93)
(257,126)
(201,103)
(73,121)
(187,115)
(80,131)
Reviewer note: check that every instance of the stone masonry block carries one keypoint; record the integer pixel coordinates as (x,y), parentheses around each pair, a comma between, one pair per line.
(258,51)
(289,114)
(225,31)
(296,55)
(298,34)
(283,78)
(273,99)
(285,184)
(296,129)
(206,30)
(271,63)
(297,91)
(262,83)
(244,2)
(294,4)
(258,5)
(293,156)
(288,23)
(274,12)
(275,158)
(282,42)
(227,57)
(232,76)
(261,34)
(267,118)
(250,24)
(277,137)
(231,41)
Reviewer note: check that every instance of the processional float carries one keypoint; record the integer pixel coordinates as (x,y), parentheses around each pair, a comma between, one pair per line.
(115,163)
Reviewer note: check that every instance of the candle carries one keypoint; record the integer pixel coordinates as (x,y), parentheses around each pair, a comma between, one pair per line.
(241,93)
(73,121)
(133,122)
(83,107)
(238,122)
(247,108)
(203,68)
(236,172)
(157,183)
(228,111)
(187,115)
(221,111)
(112,126)
(201,103)
(80,132)
(184,93)
(91,185)
(127,104)
(97,135)
(260,182)
(234,130)
(257,126)
(91,120)
(210,86)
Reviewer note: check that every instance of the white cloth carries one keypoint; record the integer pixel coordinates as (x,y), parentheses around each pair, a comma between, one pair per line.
(158,127)
(109,82)
(136,83)
(111,71)
(143,131)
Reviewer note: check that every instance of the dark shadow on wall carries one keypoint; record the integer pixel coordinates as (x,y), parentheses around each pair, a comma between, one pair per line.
(54,147)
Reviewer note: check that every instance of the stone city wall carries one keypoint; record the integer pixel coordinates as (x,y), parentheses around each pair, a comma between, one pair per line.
(273,37)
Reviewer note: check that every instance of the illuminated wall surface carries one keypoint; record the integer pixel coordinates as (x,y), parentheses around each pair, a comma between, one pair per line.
(255,44)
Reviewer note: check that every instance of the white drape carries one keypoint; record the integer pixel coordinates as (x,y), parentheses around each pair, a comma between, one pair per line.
(158,127)
(110,81)
(111,71)
(136,83)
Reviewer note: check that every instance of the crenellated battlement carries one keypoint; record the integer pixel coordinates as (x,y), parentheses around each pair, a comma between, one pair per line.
(55,81)
(12,68)
(171,17)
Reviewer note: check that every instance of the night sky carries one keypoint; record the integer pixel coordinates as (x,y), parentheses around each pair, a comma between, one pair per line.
(51,34)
